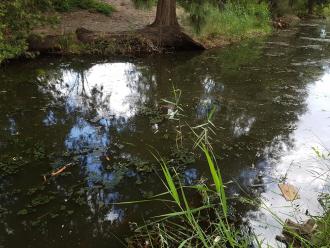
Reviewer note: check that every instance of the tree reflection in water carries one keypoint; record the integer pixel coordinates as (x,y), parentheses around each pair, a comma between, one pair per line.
(90,114)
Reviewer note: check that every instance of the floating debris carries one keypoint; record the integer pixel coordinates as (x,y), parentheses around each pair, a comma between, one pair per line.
(292,232)
(57,172)
(289,192)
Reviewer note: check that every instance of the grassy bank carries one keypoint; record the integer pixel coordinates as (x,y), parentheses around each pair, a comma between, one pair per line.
(205,21)
(19,17)
(237,20)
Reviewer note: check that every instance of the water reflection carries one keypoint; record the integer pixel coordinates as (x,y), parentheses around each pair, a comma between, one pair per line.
(12,126)
(50,119)
(269,112)
(299,166)
(212,91)
(108,88)
(242,125)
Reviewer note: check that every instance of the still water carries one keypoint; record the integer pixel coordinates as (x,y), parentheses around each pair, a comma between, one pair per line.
(102,118)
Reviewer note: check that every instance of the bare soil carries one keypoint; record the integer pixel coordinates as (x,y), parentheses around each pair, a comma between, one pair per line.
(125,18)
(114,29)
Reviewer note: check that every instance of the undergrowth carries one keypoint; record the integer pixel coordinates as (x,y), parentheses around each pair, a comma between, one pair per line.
(92,5)
(19,17)
(144,4)
(322,236)
(238,19)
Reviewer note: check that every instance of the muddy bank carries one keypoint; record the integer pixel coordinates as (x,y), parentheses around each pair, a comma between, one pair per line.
(143,41)
(126,32)
(147,40)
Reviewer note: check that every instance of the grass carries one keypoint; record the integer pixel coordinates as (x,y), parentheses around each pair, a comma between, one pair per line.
(92,5)
(144,4)
(322,237)
(209,223)
(19,17)
(206,224)
(239,19)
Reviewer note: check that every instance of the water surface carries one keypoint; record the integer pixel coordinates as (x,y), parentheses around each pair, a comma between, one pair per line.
(272,100)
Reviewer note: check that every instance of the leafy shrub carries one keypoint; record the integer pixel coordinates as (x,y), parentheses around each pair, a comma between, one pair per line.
(19,17)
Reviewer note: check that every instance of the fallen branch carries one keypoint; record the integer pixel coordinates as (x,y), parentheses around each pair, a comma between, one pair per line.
(57,172)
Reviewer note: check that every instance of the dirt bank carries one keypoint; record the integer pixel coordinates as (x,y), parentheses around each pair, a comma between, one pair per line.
(125,18)
(125,32)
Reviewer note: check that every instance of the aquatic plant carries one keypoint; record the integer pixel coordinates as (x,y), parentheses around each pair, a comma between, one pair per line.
(203,224)
(322,236)
(206,225)
(209,221)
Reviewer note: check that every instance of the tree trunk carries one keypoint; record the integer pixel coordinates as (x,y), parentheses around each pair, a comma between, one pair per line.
(166,13)
(310,5)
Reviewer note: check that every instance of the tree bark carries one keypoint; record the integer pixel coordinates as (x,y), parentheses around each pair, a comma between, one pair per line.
(310,5)
(166,13)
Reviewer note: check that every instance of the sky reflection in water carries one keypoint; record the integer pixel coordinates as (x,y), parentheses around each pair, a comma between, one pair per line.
(268,120)
(300,166)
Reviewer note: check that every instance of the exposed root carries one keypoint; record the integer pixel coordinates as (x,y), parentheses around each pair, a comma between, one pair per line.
(143,41)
